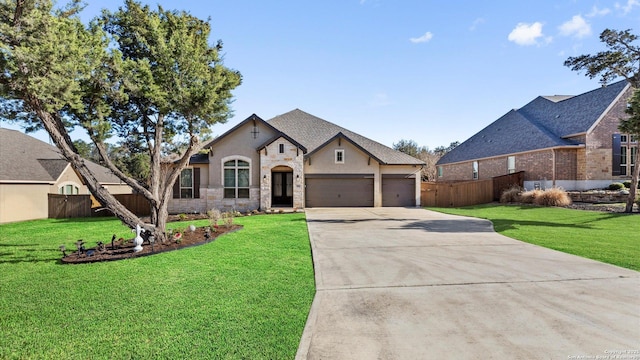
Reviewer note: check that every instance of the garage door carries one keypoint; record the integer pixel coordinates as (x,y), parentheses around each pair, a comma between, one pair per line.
(398,190)
(339,190)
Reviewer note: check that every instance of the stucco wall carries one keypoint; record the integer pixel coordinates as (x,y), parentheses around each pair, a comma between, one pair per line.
(19,202)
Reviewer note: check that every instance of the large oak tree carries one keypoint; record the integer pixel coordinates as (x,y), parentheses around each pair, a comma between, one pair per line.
(621,60)
(137,73)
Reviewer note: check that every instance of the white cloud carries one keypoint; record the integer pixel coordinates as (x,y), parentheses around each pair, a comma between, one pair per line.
(475,23)
(626,8)
(424,38)
(598,12)
(527,34)
(576,27)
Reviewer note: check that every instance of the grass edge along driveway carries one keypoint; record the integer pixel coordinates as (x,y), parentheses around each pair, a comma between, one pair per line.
(246,295)
(607,237)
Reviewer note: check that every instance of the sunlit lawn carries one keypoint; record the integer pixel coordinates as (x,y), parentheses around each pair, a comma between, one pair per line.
(246,295)
(613,238)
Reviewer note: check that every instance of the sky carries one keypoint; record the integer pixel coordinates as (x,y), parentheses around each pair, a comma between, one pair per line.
(433,72)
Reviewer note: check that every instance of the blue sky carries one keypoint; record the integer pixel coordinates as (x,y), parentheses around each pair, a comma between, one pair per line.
(430,71)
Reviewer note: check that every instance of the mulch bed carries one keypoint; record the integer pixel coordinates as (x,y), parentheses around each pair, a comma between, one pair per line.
(123,249)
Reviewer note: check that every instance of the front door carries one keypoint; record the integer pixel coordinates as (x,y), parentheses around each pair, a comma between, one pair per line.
(282,189)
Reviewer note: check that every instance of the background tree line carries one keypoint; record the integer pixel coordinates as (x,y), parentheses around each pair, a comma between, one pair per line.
(430,157)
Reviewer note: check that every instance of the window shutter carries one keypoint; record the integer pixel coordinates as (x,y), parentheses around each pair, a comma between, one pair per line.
(616,144)
(176,189)
(196,183)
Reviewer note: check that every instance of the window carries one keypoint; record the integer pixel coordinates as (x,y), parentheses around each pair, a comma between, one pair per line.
(511,164)
(281,148)
(623,160)
(475,170)
(68,190)
(339,156)
(440,172)
(236,179)
(188,184)
(623,138)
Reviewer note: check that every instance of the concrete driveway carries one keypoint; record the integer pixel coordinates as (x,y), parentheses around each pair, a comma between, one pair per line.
(396,283)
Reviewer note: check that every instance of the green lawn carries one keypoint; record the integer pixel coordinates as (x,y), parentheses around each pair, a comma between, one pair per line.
(607,237)
(244,296)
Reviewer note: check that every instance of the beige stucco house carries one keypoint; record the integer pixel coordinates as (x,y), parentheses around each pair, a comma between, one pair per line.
(31,169)
(571,142)
(295,160)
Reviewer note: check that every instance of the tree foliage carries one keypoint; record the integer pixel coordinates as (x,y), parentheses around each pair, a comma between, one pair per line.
(622,59)
(143,75)
(430,157)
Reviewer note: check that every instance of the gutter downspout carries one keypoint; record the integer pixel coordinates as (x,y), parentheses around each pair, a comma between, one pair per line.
(553,170)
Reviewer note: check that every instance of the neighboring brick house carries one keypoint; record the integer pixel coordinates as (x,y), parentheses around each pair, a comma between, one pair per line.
(295,160)
(571,142)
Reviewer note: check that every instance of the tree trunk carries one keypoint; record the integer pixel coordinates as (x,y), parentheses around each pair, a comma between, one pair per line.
(634,184)
(62,140)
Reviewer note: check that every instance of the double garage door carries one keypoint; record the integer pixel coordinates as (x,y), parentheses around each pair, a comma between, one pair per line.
(356,190)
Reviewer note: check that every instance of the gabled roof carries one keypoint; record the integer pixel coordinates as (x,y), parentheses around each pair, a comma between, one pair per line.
(25,158)
(314,133)
(541,124)
(253,118)
(340,135)
(279,135)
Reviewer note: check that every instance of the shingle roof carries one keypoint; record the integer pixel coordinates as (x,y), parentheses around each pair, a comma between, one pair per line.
(25,158)
(540,124)
(313,132)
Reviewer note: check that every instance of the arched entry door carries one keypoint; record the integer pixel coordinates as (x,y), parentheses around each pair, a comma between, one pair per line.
(282,186)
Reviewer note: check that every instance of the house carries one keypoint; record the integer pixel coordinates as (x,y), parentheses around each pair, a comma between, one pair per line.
(571,142)
(295,160)
(31,169)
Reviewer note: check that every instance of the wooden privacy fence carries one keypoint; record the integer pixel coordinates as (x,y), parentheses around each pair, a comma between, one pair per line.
(467,193)
(71,206)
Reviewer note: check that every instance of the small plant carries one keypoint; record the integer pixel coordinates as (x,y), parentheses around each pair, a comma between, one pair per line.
(627,184)
(227,218)
(214,216)
(511,195)
(254,212)
(177,237)
(617,186)
(280,211)
(182,217)
(553,197)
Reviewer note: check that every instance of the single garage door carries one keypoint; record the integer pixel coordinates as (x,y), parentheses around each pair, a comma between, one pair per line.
(339,190)
(398,190)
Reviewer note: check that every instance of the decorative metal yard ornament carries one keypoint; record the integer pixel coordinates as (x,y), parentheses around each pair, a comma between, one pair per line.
(138,240)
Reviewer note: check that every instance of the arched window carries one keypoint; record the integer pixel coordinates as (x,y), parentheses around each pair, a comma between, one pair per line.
(236,179)
(68,190)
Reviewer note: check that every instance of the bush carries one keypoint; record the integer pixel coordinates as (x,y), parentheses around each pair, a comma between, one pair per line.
(227,218)
(627,184)
(553,197)
(529,197)
(511,195)
(214,215)
(617,186)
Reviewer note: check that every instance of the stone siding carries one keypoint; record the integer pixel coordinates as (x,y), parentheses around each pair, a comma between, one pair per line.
(271,158)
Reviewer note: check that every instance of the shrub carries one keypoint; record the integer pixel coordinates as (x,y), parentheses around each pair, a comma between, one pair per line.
(553,197)
(627,184)
(182,217)
(227,218)
(511,195)
(214,215)
(529,197)
(617,186)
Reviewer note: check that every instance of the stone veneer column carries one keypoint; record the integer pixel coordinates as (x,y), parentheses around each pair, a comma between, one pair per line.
(271,158)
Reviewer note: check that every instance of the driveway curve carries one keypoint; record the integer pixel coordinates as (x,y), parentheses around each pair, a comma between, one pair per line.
(406,283)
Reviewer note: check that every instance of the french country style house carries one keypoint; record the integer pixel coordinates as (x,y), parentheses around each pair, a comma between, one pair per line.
(295,160)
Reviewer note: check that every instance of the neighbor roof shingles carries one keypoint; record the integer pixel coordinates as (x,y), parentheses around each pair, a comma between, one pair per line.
(540,124)
(25,158)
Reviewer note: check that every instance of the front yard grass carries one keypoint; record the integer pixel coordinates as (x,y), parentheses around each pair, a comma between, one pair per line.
(613,238)
(245,295)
